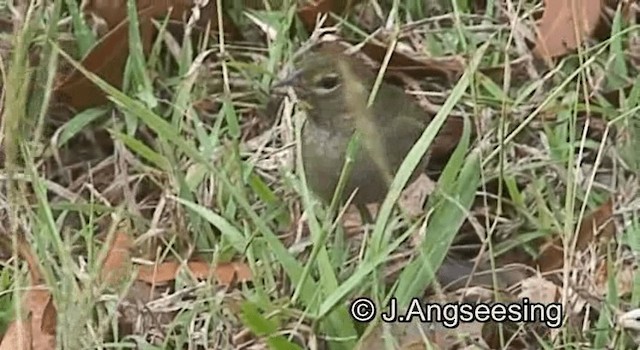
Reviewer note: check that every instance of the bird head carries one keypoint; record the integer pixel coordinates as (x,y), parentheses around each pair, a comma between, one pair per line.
(331,83)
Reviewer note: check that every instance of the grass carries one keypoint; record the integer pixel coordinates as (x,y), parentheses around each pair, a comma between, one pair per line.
(186,179)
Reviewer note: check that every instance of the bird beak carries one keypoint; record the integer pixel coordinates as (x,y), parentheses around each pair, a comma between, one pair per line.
(290,80)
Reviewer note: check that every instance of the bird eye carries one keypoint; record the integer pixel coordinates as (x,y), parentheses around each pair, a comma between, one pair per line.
(328,83)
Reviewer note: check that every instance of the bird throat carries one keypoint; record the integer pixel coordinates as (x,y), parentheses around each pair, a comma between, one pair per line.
(332,116)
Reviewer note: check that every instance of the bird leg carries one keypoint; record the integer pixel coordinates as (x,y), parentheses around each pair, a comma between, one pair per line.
(365,214)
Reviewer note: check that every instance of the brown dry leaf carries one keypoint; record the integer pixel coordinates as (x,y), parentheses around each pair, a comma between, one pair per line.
(33,332)
(596,226)
(18,336)
(112,12)
(27,254)
(446,68)
(443,67)
(24,251)
(108,57)
(37,302)
(225,273)
(115,11)
(551,256)
(309,12)
(49,318)
(107,60)
(117,264)
(228,273)
(158,274)
(561,21)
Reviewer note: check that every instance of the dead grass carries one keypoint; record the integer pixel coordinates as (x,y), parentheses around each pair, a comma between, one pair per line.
(194,159)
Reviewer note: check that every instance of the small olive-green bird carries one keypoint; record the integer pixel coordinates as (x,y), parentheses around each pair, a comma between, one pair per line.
(336,89)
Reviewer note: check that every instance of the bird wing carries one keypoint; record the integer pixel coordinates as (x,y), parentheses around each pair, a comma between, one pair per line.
(402,120)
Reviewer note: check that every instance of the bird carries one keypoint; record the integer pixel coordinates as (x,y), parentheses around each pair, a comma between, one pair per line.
(334,88)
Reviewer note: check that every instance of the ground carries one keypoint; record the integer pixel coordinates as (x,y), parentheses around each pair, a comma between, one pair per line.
(152,195)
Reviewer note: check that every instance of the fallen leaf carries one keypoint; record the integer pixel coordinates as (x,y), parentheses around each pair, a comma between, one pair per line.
(108,57)
(551,256)
(225,273)
(34,331)
(115,11)
(444,67)
(107,60)
(117,264)
(561,21)
(24,251)
(36,302)
(419,67)
(112,12)
(228,273)
(18,336)
(596,226)
(310,12)
(49,318)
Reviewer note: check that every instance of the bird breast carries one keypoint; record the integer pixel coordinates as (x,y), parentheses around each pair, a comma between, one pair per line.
(323,148)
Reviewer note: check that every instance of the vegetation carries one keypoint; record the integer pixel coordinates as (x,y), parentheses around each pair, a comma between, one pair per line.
(152,190)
